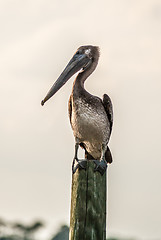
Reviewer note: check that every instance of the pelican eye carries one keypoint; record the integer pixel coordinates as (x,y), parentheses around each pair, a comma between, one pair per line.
(88,51)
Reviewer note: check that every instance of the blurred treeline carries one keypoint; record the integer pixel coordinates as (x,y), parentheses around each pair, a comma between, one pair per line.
(20,231)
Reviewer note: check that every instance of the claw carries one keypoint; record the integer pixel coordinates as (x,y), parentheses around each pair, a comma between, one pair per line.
(78,164)
(101,166)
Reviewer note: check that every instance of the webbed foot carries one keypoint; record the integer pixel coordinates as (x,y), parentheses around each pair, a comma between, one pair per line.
(101,166)
(78,164)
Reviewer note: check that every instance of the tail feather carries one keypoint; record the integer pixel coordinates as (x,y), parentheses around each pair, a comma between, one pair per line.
(108,155)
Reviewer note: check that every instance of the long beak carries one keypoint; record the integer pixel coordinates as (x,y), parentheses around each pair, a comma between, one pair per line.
(75,64)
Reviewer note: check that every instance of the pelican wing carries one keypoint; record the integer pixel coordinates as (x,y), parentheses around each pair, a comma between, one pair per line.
(109,109)
(70,108)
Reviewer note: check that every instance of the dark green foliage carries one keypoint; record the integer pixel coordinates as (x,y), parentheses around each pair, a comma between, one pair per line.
(12,237)
(28,230)
(19,230)
(63,234)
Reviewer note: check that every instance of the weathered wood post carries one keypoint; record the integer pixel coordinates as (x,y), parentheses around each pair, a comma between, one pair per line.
(88,205)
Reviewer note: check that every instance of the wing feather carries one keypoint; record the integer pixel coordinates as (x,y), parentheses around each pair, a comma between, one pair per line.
(107,103)
(70,108)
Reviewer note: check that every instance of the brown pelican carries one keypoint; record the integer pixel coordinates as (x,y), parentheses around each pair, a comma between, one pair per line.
(91,118)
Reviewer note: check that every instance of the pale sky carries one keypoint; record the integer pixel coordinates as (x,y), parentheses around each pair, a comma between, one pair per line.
(38,38)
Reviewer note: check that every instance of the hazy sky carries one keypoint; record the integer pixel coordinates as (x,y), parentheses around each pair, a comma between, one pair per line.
(37,40)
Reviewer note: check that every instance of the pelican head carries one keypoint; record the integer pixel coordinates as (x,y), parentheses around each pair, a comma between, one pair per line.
(82,60)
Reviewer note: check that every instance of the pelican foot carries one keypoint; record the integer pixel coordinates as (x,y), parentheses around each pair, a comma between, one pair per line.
(101,166)
(78,164)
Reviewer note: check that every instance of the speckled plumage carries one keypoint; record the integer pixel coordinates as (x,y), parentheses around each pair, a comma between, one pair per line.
(90,125)
(90,117)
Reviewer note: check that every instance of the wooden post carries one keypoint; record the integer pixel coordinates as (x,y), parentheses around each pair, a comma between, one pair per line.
(88,205)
